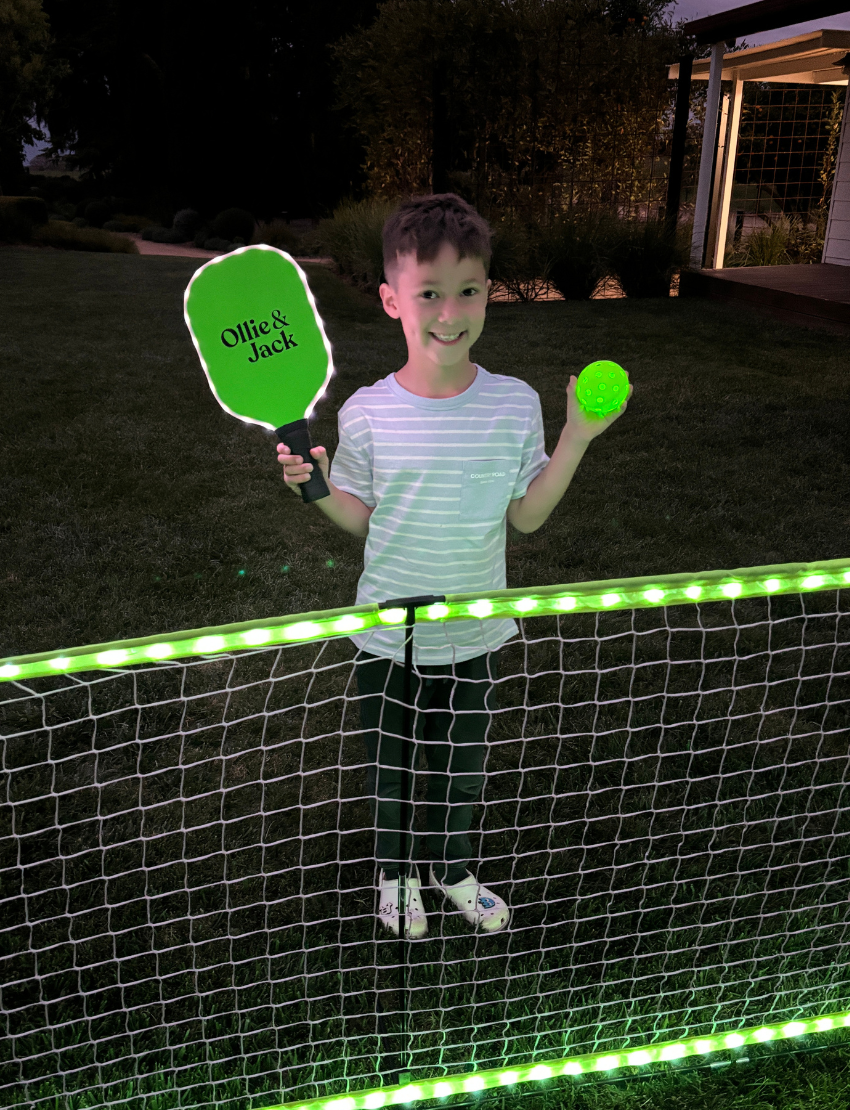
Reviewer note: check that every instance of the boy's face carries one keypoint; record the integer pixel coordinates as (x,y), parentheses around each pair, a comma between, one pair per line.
(441,305)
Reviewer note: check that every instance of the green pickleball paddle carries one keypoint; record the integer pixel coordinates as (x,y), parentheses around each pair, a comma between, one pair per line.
(262,344)
(602,387)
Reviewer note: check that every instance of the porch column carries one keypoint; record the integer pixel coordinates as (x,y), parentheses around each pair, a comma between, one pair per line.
(727,178)
(706,161)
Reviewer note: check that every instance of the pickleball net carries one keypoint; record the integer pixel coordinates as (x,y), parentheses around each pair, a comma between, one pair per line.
(188,899)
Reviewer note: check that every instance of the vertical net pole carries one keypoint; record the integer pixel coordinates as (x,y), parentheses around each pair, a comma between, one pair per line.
(405,863)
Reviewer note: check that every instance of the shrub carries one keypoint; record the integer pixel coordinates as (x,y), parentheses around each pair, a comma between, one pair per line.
(352,237)
(783,240)
(19,216)
(202,235)
(112,225)
(574,250)
(642,255)
(232,222)
(188,222)
(80,221)
(518,256)
(165,235)
(97,212)
(59,233)
(277,233)
(216,243)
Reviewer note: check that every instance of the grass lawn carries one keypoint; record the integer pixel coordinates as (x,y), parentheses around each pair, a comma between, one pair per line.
(134,505)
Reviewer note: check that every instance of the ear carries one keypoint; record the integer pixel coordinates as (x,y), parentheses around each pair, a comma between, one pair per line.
(388,297)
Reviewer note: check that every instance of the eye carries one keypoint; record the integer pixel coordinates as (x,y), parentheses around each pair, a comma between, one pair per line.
(428,292)
(470,292)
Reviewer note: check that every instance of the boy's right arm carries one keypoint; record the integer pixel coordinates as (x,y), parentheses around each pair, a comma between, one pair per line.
(343,508)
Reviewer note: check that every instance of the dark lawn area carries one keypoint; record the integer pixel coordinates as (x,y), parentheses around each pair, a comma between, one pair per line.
(134,505)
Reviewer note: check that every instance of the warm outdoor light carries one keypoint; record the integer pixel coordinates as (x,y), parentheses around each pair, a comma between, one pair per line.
(669,1051)
(582,597)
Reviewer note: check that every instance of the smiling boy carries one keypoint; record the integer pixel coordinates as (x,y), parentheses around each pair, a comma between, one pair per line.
(432,461)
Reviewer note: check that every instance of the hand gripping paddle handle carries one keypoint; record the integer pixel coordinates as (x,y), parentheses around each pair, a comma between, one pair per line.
(296,436)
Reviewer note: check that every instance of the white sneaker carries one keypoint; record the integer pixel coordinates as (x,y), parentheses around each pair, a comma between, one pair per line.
(415,921)
(481,907)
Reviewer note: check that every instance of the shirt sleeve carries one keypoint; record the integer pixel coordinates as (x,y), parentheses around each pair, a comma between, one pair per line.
(351,469)
(534,457)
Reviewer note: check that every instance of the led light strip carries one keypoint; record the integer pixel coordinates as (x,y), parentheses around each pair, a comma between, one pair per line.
(635,1057)
(581,597)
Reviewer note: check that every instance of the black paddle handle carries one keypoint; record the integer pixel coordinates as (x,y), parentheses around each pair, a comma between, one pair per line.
(296,436)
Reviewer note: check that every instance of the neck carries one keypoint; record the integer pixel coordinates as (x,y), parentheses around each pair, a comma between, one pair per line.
(436,381)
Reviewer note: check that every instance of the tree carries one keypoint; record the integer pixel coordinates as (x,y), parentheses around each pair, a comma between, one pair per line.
(181,103)
(26,80)
(523,104)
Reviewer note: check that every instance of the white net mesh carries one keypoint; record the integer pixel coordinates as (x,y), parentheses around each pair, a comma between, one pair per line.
(188,862)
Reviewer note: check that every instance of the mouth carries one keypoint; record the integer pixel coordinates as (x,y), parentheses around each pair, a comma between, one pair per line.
(450,339)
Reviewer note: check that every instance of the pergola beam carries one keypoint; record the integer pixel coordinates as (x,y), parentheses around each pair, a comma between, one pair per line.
(766,15)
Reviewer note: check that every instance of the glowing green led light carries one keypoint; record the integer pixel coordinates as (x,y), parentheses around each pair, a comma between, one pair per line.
(762,1035)
(159,651)
(474,1083)
(301,631)
(541,1071)
(566,603)
(733,1040)
(573,1067)
(772,585)
(508,1078)
(525,604)
(208,643)
(702,1047)
(813,581)
(392,616)
(732,589)
(610,599)
(342,1104)
(793,1029)
(257,636)
(673,1051)
(375,1100)
(654,595)
(9,670)
(348,624)
(113,658)
(443,1090)
(481,608)
(60,663)
(823,1023)
(437,611)
(639,1057)
(693,592)
(606,1063)
(847,576)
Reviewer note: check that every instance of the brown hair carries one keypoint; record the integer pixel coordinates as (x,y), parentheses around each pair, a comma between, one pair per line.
(423,224)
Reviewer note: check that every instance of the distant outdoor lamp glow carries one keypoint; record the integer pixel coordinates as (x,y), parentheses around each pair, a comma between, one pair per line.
(392,616)
(654,595)
(602,387)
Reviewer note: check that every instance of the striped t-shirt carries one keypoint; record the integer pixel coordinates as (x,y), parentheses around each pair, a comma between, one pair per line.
(439,473)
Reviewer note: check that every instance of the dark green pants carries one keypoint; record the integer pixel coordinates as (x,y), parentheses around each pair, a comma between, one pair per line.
(451,707)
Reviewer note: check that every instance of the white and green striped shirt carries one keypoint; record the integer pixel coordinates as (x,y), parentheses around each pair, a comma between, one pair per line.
(439,473)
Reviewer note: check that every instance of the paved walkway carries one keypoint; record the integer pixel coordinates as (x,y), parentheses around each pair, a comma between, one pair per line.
(188,250)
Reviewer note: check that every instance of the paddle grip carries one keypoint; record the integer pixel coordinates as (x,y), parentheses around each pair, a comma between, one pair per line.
(296,436)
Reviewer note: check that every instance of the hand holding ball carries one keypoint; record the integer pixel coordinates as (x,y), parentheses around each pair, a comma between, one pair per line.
(602,387)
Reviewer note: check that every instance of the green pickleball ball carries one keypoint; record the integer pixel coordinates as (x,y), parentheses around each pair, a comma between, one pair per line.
(602,387)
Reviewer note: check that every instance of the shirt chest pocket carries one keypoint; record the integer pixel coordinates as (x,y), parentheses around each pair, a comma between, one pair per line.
(486,488)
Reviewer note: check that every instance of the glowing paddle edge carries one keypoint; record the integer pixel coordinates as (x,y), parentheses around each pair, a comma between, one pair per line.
(262,344)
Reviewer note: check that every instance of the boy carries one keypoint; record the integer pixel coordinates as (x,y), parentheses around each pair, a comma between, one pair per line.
(432,461)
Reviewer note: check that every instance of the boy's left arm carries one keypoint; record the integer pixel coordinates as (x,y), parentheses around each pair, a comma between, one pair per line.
(527,513)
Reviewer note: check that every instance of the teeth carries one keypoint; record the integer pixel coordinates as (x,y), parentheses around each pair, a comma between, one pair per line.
(447,337)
